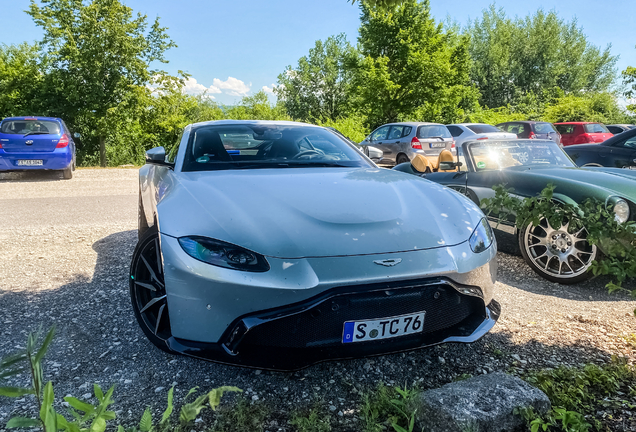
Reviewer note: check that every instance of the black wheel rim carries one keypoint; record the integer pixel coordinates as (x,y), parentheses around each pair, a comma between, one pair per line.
(149,291)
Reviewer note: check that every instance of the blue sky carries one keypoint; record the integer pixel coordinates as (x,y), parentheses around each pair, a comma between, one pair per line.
(237,47)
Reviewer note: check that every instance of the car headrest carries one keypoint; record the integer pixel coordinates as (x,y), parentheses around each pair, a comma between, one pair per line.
(422,164)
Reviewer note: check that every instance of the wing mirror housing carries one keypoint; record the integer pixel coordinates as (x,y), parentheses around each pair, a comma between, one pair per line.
(157,156)
(375,154)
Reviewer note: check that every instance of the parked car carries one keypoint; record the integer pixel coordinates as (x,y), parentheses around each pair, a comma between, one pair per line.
(28,143)
(400,142)
(618,152)
(531,130)
(618,128)
(559,254)
(582,133)
(476,131)
(269,252)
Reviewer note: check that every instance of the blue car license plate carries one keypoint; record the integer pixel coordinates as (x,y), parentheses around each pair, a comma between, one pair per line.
(383,328)
(30,162)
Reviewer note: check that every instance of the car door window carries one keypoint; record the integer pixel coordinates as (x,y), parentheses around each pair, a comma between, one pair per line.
(407,131)
(565,129)
(614,129)
(629,143)
(396,132)
(455,131)
(380,133)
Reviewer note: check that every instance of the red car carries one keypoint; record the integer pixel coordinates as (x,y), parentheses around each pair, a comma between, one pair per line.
(582,133)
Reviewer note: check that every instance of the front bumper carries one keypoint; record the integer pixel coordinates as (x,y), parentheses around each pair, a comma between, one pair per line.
(58,159)
(264,319)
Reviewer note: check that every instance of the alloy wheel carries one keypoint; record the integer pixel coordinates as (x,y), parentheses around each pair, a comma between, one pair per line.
(148,289)
(561,253)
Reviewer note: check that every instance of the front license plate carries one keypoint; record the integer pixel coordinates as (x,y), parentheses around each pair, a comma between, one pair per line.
(438,145)
(30,162)
(383,328)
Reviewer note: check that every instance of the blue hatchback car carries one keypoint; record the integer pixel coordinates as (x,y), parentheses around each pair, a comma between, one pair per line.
(28,143)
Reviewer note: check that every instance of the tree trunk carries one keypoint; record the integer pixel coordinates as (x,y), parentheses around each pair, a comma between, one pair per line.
(102,151)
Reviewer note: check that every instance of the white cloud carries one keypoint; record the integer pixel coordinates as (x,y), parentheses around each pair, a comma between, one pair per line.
(231,86)
(193,87)
(267,89)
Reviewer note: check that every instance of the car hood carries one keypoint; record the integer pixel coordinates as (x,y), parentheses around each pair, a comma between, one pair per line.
(315,212)
(578,183)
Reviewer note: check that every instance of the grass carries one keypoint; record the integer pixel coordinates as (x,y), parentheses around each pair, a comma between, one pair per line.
(315,419)
(241,417)
(387,408)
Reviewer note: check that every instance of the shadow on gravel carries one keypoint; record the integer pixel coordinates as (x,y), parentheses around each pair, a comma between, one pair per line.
(99,341)
(32,176)
(514,271)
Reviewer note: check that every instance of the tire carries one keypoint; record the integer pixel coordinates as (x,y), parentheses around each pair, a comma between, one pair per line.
(142,223)
(68,172)
(148,292)
(401,158)
(557,255)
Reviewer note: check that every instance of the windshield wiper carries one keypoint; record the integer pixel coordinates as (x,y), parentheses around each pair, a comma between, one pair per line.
(35,133)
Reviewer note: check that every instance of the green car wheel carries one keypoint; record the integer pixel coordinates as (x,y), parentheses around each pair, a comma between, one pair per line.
(561,255)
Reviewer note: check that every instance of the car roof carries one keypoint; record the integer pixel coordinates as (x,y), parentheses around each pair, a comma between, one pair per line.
(523,121)
(469,124)
(576,123)
(251,122)
(32,118)
(412,124)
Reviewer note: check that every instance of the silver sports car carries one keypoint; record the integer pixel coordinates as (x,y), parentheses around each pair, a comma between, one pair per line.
(279,244)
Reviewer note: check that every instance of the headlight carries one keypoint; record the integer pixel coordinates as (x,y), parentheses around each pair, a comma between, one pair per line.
(482,237)
(621,211)
(223,254)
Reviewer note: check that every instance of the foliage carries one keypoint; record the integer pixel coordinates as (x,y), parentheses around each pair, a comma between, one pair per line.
(256,107)
(389,407)
(318,88)
(600,107)
(578,395)
(629,80)
(616,240)
(313,420)
(242,416)
(352,127)
(86,416)
(516,57)
(409,67)
(98,59)
(20,79)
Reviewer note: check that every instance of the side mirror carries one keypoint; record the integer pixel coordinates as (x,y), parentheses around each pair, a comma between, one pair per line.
(375,154)
(77,135)
(444,166)
(156,155)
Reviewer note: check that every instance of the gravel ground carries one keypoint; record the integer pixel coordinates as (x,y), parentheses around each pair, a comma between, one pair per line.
(65,248)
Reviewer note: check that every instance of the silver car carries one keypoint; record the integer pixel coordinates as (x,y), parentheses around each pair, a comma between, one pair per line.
(463,132)
(278,244)
(400,142)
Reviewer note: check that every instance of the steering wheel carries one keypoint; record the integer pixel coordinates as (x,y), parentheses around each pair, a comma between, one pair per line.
(306,153)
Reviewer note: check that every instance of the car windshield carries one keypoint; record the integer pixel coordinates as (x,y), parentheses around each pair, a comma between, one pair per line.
(23,127)
(497,155)
(241,146)
(483,128)
(596,128)
(430,131)
(543,128)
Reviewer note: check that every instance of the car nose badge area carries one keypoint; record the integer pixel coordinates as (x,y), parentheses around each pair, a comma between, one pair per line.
(388,262)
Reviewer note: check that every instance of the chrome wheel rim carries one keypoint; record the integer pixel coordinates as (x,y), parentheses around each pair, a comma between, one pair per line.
(562,252)
(149,291)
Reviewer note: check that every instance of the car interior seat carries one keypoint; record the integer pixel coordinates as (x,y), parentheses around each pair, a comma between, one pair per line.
(421,164)
(208,143)
(283,148)
(445,156)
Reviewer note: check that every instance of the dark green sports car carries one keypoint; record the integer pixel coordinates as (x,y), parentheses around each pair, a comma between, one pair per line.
(528,166)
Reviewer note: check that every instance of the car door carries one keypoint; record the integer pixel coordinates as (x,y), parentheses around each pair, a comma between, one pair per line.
(378,139)
(394,142)
(623,154)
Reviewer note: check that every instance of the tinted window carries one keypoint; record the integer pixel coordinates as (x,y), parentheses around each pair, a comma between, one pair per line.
(543,128)
(595,128)
(407,131)
(22,127)
(430,131)
(628,143)
(455,131)
(396,132)
(483,128)
(565,129)
(172,154)
(614,129)
(515,128)
(380,133)
(267,146)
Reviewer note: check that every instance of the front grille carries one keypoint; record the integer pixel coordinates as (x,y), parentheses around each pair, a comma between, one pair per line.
(321,325)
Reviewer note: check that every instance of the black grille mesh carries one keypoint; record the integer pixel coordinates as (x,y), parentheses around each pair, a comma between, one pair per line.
(322,325)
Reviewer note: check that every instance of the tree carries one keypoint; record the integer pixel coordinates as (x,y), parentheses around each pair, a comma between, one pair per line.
(257,107)
(99,57)
(600,107)
(629,79)
(318,88)
(20,79)
(533,55)
(409,67)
